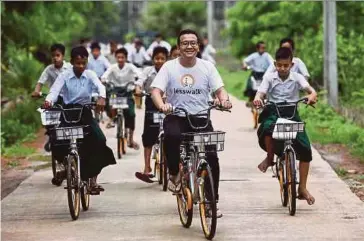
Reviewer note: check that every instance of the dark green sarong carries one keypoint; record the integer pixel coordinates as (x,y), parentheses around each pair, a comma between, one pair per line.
(268,119)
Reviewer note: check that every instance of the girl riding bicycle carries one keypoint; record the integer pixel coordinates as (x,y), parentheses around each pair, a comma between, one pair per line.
(150,133)
(280,87)
(77,85)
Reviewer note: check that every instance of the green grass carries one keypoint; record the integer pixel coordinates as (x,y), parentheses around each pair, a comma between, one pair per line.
(323,124)
(341,172)
(235,81)
(18,150)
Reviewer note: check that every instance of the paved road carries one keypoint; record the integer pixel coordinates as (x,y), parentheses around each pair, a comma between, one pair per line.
(132,210)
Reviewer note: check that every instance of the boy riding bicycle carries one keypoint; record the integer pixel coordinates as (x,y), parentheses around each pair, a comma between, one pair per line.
(282,86)
(119,75)
(150,133)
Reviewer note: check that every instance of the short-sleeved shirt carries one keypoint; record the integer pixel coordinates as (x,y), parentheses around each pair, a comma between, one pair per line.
(51,73)
(280,91)
(120,77)
(76,90)
(156,44)
(146,78)
(188,88)
(98,65)
(259,62)
(298,67)
(111,58)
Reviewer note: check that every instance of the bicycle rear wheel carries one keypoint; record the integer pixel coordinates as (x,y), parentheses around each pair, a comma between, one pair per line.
(73,190)
(291,182)
(185,206)
(208,209)
(164,166)
(85,197)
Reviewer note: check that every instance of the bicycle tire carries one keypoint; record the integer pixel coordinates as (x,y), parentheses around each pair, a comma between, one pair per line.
(291,183)
(282,183)
(185,207)
(85,197)
(123,135)
(206,176)
(73,187)
(118,137)
(164,167)
(158,167)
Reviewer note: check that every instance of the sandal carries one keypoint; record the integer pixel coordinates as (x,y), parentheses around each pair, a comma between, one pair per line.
(144,177)
(174,186)
(135,146)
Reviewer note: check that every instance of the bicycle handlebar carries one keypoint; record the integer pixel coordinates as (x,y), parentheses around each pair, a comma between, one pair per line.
(303,100)
(59,107)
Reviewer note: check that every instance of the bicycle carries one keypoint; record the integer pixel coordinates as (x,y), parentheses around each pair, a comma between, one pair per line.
(77,189)
(119,101)
(160,164)
(197,185)
(256,79)
(285,165)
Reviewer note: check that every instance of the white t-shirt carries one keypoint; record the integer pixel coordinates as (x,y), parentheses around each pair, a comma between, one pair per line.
(120,77)
(188,88)
(298,67)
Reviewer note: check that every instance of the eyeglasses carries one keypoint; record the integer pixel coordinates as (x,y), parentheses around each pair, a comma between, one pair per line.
(186,43)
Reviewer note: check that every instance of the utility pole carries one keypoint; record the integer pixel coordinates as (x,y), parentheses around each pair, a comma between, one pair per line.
(210,16)
(330,53)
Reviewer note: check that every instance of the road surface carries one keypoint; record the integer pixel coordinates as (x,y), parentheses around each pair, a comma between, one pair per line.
(132,210)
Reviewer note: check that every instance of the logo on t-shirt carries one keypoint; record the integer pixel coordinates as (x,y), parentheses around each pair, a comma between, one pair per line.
(187,80)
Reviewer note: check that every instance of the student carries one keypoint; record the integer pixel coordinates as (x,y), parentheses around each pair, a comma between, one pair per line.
(298,65)
(138,55)
(51,72)
(111,56)
(174,52)
(259,62)
(120,74)
(158,42)
(77,85)
(208,52)
(280,86)
(97,62)
(151,132)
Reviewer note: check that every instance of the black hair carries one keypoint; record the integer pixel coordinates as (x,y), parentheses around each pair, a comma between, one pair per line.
(174,47)
(158,50)
(284,53)
(187,31)
(287,40)
(79,51)
(60,47)
(158,35)
(112,42)
(95,45)
(258,44)
(122,51)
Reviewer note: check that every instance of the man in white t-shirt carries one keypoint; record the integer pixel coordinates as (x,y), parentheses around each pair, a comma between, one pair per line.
(187,82)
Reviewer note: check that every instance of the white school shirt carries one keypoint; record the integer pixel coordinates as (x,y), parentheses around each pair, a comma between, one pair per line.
(146,78)
(259,62)
(161,43)
(189,88)
(50,73)
(208,53)
(98,65)
(138,57)
(76,90)
(120,77)
(280,91)
(298,67)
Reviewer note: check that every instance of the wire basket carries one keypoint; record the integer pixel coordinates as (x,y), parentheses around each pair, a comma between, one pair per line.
(119,102)
(158,117)
(287,131)
(205,141)
(68,133)
(50,117)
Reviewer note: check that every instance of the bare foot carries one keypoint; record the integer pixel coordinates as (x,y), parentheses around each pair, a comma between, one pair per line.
(263,166)
(303,194)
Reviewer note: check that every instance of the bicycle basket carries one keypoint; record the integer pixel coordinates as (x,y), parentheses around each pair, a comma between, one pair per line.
(158,117)
(68,133)
(287,130)
(205,141)
(119,102)
(50,117)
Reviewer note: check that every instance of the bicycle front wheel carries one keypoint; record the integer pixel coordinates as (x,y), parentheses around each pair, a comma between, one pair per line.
(185,206)
(282,182)
(73,190)
(208,209)
(291,182)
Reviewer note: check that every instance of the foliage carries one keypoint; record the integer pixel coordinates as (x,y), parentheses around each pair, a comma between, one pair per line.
(17,151)
(170,17)
(270,21)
